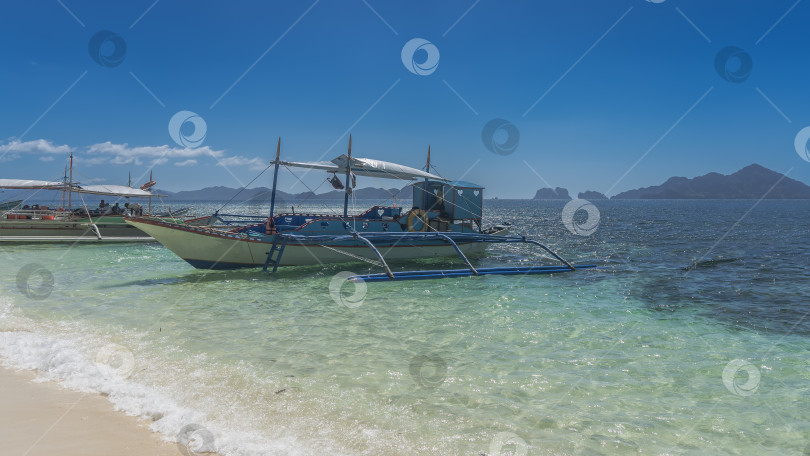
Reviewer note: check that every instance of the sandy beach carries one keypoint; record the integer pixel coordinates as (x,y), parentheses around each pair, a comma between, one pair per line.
(46,419)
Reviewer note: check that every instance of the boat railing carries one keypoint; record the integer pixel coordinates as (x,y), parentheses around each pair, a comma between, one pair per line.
(226,220)
(37,214)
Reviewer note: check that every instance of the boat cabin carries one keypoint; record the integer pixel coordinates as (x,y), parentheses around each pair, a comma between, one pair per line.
(448,203)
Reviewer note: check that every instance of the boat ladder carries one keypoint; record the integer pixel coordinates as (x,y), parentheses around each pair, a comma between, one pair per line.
(278,249)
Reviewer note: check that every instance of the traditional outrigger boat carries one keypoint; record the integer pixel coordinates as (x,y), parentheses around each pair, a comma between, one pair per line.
(35,223)
(445,220)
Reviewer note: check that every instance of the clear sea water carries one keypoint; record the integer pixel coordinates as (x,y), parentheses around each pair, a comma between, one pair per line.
(691,338)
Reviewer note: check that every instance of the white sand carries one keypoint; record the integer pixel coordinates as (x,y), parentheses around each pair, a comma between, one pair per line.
(46,419)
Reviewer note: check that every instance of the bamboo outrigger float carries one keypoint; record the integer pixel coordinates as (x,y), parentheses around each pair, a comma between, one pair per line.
(445,221)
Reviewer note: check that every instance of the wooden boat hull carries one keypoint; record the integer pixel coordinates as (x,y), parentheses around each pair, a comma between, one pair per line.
(69,231)
(208,249)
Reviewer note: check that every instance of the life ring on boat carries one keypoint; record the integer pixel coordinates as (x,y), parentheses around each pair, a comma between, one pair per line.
(422,216)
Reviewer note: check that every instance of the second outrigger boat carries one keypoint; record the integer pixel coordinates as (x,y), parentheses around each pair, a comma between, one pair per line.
(63,223)
(445,220)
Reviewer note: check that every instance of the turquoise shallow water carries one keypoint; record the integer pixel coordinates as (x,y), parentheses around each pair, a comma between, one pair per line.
(691,338)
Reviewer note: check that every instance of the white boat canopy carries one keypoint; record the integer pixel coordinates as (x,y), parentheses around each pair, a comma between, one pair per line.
(109,190)
(368,167)
(26,184)
(113,190)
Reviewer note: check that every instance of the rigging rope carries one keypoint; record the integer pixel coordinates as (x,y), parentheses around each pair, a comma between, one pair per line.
(243,188)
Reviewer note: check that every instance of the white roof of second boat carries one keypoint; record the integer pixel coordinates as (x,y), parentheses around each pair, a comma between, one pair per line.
(112,190)
(30,184)
(368,167)
(115,190)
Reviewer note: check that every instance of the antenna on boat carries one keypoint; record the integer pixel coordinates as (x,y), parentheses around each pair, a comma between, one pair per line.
(348,180)
(275,179)
(427,166)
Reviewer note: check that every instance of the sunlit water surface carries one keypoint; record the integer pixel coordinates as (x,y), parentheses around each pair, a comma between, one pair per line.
(691,338)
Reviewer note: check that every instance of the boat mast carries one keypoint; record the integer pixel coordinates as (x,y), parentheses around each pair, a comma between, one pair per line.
(348,180)
(425,189)
(64,181)
(150,196)
(275,179)
(70,185)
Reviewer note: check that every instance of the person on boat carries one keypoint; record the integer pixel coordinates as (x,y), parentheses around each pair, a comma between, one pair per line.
(35,207)
(102,206)
(116,209)
(136,209)
(26,207)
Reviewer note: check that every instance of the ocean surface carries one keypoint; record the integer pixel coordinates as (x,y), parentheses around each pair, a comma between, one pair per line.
(692,337)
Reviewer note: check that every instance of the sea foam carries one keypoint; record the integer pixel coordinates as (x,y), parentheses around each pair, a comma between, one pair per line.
(67,353)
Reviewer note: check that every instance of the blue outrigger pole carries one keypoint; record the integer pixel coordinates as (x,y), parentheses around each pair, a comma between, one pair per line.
(275,179)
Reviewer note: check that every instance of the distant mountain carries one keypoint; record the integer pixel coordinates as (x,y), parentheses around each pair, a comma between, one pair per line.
(555,194)
(752,182)
(591,195)
(262,194)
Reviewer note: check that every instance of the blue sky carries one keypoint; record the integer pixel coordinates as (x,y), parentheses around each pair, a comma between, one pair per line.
(591,87)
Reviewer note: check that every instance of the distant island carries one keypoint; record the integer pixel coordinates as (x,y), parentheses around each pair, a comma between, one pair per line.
(592,195)
(558,193)
(752,182)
